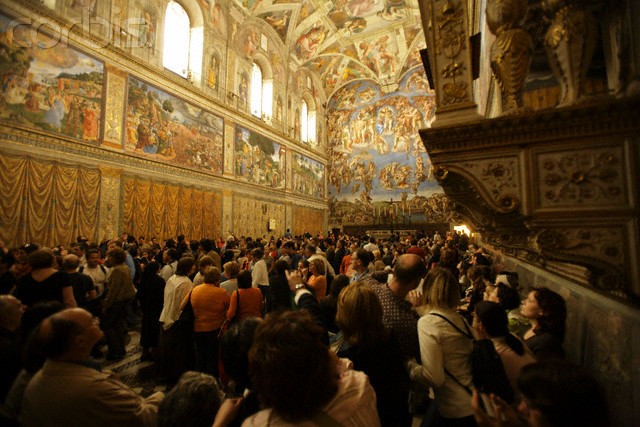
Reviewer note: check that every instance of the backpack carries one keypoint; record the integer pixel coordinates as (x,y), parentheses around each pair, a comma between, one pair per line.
(487,370)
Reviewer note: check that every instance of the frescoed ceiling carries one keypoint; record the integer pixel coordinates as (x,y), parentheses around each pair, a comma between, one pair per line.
(345,40)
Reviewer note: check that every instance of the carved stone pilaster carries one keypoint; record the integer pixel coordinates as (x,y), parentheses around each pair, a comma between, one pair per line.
(555,189)
(446,31)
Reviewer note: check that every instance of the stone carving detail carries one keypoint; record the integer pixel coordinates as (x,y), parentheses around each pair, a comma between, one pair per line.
(511,51)
(114,108)
(570,42)
(446,32)
(500,178)
(597,248)
(586,178)
(450,42)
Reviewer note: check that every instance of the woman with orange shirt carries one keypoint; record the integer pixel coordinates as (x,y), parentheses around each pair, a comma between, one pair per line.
(210,305)
(247,301)
(317,281)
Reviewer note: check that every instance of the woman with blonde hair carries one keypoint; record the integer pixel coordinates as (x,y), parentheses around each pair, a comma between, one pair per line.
(375,351)
(445,348)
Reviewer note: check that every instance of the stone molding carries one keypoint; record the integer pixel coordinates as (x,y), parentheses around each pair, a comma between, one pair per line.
(554,188)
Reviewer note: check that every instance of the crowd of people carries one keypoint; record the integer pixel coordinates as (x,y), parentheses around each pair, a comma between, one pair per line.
(307,330)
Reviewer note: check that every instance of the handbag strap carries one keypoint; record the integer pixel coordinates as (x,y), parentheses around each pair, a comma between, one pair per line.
(467,334)
(237,315)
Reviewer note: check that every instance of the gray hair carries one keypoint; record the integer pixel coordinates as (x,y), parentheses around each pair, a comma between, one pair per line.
(193,402)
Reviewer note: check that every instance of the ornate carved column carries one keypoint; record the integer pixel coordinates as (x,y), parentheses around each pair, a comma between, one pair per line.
(447,34)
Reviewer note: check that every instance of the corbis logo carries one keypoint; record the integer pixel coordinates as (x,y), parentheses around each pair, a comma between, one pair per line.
(44,33)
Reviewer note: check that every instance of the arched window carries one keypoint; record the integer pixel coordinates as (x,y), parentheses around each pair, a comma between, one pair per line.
(308,124)
(182,48)
(256,90)
(261,93)
(303,122)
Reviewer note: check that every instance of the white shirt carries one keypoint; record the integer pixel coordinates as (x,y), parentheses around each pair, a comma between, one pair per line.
(198,280)
(175,292)
(371,247)
(442,346)
(259,274)
(168,270)
(98,276)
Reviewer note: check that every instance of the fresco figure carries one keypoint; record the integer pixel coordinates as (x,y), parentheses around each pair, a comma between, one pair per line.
(212,79)
(56,111)
(90,122)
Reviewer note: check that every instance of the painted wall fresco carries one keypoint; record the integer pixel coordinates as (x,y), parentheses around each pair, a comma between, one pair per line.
(251,217)
(49,86)
(379,170)
(307,220)
(163,127)
(258,160)
(308,176)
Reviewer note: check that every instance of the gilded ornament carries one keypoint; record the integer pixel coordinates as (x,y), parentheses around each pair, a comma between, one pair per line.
(550,195)
(578,177)
(553,179)
(508,203)
(511,51)
(548,165)
(454,92)
(570,43)
(440,173)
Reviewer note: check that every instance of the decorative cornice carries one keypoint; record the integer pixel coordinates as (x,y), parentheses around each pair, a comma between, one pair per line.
(18,139)
(604,119)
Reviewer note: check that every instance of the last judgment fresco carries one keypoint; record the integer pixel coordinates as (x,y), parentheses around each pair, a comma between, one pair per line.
(379,171)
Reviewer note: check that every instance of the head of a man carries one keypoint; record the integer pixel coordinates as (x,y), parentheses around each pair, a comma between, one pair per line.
(409,270)
(93,257)
(78,249)
(11,311)
(69,335)
(70,263)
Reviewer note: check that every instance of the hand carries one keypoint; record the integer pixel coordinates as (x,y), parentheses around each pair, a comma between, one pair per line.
(416,298)
(293,278)
(228,412)
(505,415)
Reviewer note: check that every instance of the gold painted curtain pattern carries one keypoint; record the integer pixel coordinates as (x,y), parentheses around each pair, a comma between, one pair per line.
(161,210)
(307,220)
(46,202)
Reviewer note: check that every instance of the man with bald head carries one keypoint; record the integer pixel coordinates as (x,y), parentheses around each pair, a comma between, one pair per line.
(397,313)
(71,389)
(11,310)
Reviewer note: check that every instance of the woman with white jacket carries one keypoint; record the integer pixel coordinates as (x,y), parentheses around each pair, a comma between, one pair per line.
(445,348)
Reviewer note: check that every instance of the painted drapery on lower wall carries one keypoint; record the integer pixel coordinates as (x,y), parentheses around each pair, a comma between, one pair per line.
(153,209)
(251,217)
(307,220)
(46,202)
